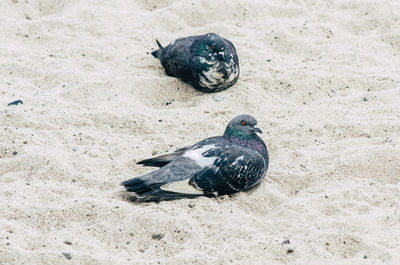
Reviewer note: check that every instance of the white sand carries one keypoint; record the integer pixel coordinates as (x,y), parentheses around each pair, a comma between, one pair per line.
(93,99)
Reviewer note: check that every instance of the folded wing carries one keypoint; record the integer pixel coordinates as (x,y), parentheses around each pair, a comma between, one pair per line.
(235,169)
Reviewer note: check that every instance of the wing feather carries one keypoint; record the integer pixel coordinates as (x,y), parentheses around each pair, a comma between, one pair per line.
(235,169)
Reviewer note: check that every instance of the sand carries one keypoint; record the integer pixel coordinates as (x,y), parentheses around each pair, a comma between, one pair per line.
(321,77)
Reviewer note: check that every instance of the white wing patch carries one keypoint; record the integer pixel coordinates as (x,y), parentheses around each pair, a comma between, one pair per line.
(237,160)
(212,77)
(195,155)
(181,187)
(204,60)
(234,71)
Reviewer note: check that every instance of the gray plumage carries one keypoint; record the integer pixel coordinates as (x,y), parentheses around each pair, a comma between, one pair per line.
(234,162)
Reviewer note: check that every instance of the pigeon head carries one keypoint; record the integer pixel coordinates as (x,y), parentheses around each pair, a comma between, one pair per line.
(215,62)
(214,48)
(242,126)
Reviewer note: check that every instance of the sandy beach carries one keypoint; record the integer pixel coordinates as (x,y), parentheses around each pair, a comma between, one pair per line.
(321,77)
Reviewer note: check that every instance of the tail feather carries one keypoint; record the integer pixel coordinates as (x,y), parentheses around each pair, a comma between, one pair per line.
(159,45)
(157,53)
(136,185)
(143,192)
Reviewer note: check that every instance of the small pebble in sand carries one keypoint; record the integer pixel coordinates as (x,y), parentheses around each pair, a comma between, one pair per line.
(68,242)
(67,255)
(191,204)
(218,98)
(289,250)
(169,102)
(286,241)
(365,99)
(157,236)
(15,102)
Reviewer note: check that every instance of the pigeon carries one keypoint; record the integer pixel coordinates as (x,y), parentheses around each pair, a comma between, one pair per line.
(220,165)
(208,62)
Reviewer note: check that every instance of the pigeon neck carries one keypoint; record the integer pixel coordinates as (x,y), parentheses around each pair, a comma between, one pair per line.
(250,141)
(232,133)
(247,140)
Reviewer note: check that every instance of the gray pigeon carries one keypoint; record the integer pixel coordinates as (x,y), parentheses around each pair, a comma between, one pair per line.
(236,161)
(208,62)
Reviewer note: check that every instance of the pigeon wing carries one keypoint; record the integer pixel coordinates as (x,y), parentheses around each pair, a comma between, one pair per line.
(176,58)
(162,160)
(235,169)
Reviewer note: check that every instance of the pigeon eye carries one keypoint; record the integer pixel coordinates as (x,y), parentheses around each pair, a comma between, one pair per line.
(212,47)
(244,123)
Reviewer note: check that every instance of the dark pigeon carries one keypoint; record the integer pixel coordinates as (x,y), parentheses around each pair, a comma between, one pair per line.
(236,161)
(208,62)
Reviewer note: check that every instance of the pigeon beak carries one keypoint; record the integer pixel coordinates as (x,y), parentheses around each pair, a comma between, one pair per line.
(257,130)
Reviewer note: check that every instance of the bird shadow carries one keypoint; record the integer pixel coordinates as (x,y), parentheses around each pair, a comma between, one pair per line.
(131,197)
